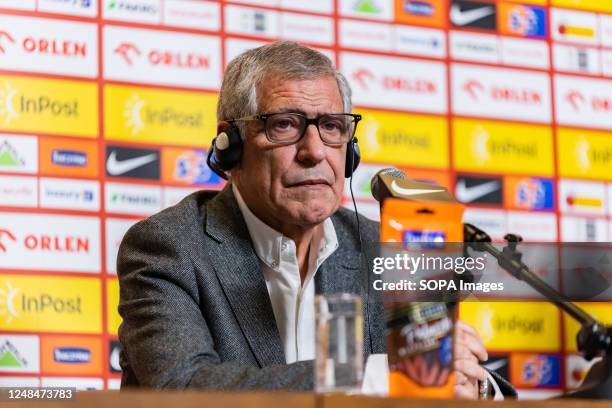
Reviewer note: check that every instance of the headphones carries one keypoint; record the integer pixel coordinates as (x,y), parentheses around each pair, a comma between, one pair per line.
(226,151)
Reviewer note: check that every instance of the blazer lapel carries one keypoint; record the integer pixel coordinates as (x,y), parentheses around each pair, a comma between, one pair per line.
(239,274)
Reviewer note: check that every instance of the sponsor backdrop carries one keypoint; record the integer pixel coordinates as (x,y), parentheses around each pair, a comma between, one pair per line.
(107,108)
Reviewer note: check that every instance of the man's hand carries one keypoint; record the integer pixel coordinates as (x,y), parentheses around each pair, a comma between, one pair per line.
(468,350)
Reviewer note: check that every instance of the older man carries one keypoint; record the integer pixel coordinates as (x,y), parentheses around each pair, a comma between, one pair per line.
(218,291)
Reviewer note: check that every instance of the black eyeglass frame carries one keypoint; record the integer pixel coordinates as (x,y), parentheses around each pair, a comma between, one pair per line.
(309,121)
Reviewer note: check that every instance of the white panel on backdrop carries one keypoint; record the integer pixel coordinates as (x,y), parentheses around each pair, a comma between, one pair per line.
(49,46)
(19,4)
(269,3)
(533,226)
(396,83)
(362,35)
(605,25)
(311,29)
(500,93)
(19,354)
(81,384)
(606,62)
(19,382)
(315,6)
(18,154)
(583,101)
(427,42)
(494,222)
(172,195)
(115,230)
(361,180)
(582,197)
(524,53)
(49,242)
(377,9)
(161,57)
(132,198)
(235,47)
(582,229)
(18,191)
(574,26)
(70,194)
(85,8)
(201,15)
(369,209)
(138,11)
(474,47)
(250,21)
(573,58)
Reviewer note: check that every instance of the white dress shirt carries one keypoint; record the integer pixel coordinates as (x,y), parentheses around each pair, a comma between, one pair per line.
(292,302)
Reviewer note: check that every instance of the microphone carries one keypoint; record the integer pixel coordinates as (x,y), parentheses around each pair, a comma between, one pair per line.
(393,183)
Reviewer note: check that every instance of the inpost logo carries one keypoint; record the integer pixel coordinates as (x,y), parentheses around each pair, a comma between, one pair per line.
(51,106)
(159,116)
(513,325)
(404,139)
(51,304)
(502,147)
(138,114)
(584,153)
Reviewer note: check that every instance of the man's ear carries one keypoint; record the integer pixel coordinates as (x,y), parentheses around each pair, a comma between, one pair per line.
(222,125)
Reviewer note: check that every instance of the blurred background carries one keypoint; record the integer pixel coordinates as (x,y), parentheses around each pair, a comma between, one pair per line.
(107,108)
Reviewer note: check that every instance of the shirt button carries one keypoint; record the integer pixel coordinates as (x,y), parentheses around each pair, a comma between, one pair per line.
(274,264)
(284,246)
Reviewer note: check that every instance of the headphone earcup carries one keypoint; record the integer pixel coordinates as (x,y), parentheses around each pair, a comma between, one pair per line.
(353,157)
(227,148)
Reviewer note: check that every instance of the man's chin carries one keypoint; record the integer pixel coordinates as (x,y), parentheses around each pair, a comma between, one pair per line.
(312,214)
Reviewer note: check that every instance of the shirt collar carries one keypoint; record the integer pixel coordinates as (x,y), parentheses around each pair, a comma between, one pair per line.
(268,243)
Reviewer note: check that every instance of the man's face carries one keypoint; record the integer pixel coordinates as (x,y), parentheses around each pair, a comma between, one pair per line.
(297,185)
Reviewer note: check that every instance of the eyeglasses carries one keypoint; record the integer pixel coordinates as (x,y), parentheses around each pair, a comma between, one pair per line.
(289,127)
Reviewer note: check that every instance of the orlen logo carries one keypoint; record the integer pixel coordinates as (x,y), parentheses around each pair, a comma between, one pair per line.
(578,101)
(7,235)
(44,242)
(364,77)
(129,52)
(43,46)
(71,355)
(13,103)
(476,89)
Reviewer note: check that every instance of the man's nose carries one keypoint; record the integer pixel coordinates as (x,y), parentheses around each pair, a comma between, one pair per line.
(311,149)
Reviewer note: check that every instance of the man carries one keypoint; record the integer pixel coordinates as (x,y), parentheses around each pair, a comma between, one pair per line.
(218,291)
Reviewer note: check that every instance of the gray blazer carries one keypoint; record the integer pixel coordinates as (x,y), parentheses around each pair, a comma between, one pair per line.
(195,307)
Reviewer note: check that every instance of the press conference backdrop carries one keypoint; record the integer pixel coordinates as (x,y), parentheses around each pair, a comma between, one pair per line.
(107,107)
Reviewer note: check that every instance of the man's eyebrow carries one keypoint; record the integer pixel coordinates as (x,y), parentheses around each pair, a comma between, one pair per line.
(288,110)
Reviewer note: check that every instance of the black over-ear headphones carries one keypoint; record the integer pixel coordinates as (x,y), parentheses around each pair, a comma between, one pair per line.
(226,150)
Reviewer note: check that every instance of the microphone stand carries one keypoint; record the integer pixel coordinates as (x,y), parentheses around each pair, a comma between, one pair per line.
(593,340)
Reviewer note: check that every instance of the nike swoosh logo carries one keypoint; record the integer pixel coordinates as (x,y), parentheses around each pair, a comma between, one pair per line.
(465,17)
(411,191)
(467,194)
(495,365)
(117,168)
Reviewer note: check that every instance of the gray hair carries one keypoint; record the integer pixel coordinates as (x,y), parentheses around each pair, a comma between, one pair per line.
(288,59)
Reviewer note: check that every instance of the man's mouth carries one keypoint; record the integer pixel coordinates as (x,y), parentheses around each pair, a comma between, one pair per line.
(311,182)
